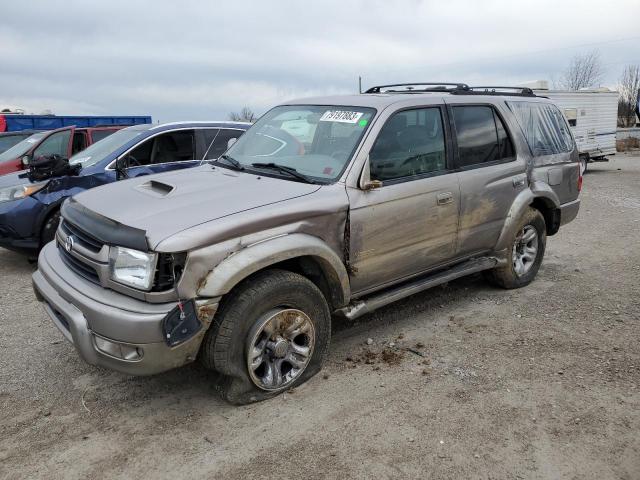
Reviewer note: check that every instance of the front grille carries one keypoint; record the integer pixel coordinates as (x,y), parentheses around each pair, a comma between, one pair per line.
(87,241)
(81,268)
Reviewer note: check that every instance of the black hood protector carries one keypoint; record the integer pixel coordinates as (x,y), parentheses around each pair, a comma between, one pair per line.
(102,228)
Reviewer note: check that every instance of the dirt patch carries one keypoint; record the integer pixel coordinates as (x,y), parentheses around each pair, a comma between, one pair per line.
(370,355)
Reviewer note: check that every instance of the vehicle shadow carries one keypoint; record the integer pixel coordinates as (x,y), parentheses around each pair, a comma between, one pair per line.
(599,171)
(16,263)
(447,295)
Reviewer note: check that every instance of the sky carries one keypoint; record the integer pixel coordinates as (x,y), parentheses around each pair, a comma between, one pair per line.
(200,60)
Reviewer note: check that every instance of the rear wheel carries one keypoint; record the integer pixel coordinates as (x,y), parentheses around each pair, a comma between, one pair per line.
(271,334)
(525,253)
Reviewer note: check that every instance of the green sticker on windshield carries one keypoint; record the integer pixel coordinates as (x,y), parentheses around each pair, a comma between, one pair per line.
(363,123)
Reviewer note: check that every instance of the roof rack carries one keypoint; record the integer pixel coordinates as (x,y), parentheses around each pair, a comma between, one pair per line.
(427,87)
(509,91)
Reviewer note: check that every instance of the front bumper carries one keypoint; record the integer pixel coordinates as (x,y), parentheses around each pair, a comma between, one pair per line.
(17,221)
(83,311)
(569,211)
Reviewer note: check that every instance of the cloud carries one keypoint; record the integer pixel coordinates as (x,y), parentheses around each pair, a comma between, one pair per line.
(200,60)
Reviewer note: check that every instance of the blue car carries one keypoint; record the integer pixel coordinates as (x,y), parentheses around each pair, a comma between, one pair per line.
(30,201)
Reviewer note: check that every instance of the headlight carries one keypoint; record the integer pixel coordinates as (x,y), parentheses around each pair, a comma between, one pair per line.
(16,192)
(132,267)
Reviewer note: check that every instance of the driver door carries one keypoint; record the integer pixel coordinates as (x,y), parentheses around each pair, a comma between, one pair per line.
(58,142)
(408,223)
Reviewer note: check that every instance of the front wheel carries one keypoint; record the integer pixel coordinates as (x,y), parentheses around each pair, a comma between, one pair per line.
(48,233)
(271,334)
(525,253)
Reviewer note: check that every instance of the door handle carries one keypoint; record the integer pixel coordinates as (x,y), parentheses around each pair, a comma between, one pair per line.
(445,198)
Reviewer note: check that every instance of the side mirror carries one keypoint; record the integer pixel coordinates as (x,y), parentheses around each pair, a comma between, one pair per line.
(371,185)
(231,142)
(366,183)
(121,168)
(25,160)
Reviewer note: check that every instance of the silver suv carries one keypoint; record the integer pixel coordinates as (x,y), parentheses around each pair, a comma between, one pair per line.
(326,207)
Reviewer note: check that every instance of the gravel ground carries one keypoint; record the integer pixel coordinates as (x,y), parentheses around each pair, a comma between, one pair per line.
(463,381)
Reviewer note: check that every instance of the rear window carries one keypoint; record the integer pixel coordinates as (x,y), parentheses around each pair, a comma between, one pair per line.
(545,128)
(98,135)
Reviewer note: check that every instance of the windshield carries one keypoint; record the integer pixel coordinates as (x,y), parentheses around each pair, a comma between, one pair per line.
(21,148)
(105,147)
(8,141)
(316,141)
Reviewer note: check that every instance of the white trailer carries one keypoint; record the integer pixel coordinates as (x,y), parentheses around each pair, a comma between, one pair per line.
(592,115)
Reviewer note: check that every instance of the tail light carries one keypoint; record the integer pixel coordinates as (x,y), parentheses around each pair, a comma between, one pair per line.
(579,177)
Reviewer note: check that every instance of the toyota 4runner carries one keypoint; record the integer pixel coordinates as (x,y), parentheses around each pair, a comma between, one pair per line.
(326,207)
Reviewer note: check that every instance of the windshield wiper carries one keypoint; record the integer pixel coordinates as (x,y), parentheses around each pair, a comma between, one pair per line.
(231,161)
(283,168)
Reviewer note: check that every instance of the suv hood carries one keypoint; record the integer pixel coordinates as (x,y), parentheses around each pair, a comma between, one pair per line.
(165,204)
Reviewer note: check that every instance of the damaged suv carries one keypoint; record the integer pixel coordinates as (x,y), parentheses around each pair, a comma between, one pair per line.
(326,207)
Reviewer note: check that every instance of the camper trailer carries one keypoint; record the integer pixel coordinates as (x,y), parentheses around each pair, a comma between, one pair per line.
(592,115)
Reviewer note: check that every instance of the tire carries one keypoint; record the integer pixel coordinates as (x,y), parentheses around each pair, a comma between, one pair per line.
(255,317)
(517,274)
(48,232)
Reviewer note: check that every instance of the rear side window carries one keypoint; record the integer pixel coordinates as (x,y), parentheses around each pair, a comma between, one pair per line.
(174,147)
(481,136)
(544,127)
(411,143)
(220,142)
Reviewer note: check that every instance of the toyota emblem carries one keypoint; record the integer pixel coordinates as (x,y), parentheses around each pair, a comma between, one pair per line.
(68,244)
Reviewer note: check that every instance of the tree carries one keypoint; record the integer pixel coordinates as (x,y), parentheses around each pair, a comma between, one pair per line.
(584,71)
(245,115)
(628,87)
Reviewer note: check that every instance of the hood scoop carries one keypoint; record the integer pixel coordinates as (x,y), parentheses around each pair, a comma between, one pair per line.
(156,188)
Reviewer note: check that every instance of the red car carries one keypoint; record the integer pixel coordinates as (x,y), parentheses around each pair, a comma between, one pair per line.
(63,141)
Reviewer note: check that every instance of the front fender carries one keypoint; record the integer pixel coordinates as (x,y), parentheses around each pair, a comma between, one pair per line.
(258,256)
(524,199)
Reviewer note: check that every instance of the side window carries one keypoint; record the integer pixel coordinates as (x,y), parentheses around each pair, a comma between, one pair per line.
(410,143)
(141,155)
(98,135)
(208,136)
(481,135)
(164,148)
(505,147)
(55,144)
(173,147)
(220,143)
(544,127)
(79,142)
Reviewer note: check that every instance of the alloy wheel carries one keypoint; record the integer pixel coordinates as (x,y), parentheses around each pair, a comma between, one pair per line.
(280,348)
